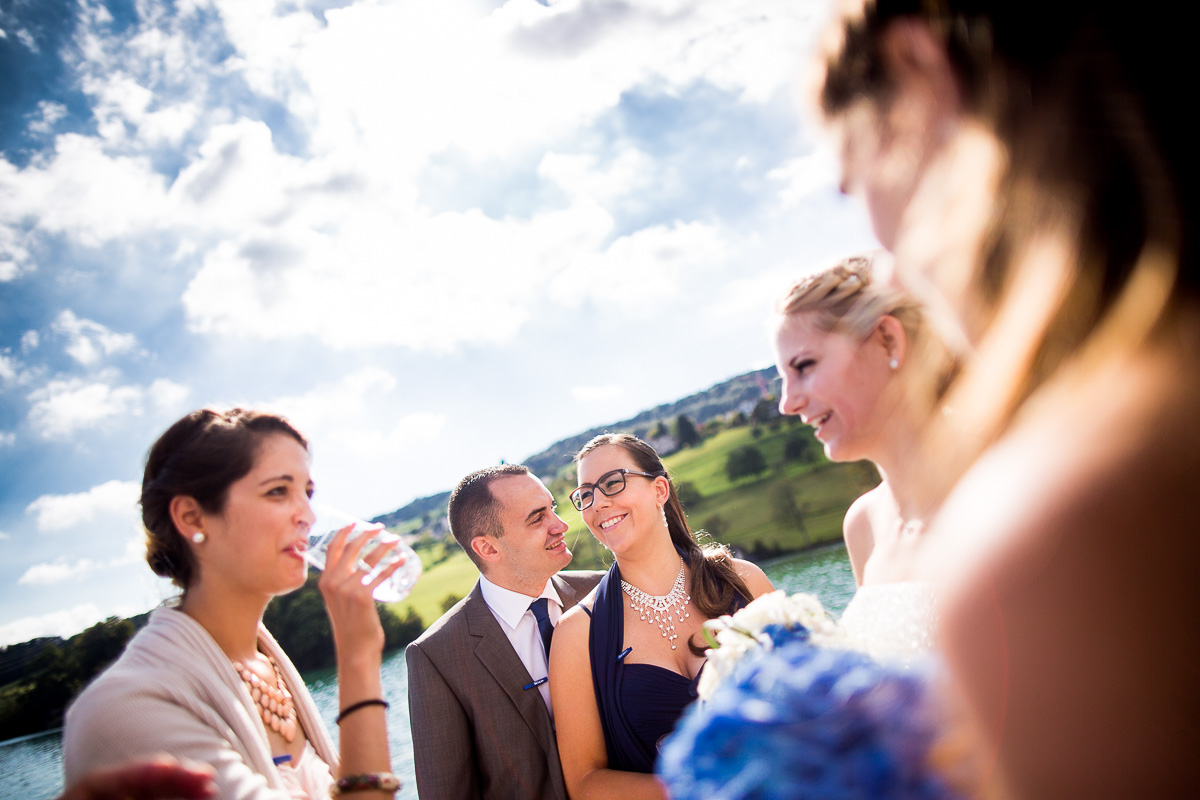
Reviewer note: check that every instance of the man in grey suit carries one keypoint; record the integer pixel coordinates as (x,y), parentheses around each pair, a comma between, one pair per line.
(478,700)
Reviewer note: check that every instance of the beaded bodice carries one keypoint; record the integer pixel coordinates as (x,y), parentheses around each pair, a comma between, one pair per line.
(892,621)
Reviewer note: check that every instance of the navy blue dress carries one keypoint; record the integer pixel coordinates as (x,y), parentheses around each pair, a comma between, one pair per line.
(639,704)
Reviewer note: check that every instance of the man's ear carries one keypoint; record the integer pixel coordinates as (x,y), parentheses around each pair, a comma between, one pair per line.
(485,548)
(893,338)
(187,515)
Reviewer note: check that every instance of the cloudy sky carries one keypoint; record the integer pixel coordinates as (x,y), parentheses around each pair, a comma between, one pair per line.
(435,233)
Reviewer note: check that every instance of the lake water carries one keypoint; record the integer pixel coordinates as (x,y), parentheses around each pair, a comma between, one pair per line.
(32,766)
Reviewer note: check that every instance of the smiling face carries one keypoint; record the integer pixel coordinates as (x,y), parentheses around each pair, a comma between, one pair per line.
(628,518)
(254,545)
(531,548)
(835,383)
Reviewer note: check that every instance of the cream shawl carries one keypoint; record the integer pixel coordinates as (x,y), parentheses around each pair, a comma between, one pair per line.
(175,691)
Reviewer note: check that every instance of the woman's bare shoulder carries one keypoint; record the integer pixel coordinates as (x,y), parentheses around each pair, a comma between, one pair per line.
(752,575)
(576,621)
(863,518)
(1050,552)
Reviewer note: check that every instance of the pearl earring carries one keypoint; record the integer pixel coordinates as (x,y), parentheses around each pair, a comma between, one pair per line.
(198,537)
(894,363)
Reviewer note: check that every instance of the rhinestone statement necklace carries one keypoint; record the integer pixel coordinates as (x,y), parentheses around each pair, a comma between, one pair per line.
(665,610)
(275,702)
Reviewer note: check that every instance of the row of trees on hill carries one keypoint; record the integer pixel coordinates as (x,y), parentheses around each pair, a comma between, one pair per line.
(688,421)
(54,670)
(702,408)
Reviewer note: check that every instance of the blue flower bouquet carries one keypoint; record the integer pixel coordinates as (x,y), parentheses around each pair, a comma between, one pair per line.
(795,715)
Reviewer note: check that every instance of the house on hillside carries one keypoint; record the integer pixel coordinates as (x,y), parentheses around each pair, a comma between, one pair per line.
(664,445)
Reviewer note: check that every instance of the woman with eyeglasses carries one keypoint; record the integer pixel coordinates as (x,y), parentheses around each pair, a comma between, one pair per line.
(625,662)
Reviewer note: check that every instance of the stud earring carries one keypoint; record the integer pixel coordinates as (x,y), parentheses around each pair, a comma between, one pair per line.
(894,363)
(198,537)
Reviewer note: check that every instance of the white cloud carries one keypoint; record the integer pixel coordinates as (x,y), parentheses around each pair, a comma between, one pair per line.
(88,341)
(60,569)
(578,174)
(276,234)
(639,273)
(4,536)
(409,431)
(8,367)
(15,259)
(596,394)
(431,284)
(57,572)
(112,196)
(166,395)
(7,438)
(364,440)
(804,176)
(63,623)
(338,416)
(29,341)
(48,113)
(66,405)
(108,500)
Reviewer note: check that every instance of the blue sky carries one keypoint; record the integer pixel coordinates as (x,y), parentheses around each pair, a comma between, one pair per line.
(435,233)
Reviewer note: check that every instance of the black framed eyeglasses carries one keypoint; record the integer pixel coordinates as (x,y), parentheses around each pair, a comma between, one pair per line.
(610,483)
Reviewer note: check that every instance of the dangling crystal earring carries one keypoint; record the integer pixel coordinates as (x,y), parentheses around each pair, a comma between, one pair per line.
(894,363)
(663,510)
(198,537)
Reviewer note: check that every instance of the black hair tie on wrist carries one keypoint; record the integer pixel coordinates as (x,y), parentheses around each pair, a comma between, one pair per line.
(350,709)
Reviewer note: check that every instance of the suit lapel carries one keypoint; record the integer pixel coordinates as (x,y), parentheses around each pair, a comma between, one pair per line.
(496,653)
(566,592)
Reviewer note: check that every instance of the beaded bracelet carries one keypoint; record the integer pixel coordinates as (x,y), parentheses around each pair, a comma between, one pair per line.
(350,709)
(367,782)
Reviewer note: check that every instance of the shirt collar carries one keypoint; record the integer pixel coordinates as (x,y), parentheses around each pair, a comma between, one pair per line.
(510,606)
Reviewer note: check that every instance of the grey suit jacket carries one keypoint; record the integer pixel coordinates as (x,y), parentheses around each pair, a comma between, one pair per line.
(477,732)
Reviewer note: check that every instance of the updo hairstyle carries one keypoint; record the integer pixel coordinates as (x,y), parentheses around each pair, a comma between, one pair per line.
(200,456)
(845,299)
(848,299)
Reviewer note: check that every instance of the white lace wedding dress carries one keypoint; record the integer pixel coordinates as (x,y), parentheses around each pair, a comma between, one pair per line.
(891,622)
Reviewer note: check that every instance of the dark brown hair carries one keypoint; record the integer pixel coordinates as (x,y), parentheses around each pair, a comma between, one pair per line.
(473,510)
(715,582)
(200,456)
(1082,101)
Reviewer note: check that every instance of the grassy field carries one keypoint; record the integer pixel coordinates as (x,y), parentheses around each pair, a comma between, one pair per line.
(453,575)
(794,504)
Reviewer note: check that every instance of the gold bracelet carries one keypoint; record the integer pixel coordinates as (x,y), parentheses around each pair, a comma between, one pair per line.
(366,782)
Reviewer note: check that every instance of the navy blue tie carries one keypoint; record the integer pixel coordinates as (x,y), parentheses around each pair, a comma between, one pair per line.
(541,612)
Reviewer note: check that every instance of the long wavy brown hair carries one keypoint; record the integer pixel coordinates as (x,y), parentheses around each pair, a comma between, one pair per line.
(715,582)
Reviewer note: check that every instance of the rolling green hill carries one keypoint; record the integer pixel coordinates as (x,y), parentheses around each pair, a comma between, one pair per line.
(716,401)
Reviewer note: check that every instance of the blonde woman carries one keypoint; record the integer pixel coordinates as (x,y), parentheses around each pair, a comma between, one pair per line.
(858,365)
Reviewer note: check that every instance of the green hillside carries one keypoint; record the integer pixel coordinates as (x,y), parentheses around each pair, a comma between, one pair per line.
(794,503)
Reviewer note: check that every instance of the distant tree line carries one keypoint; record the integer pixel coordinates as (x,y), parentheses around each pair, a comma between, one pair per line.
(53,671)
(700,408)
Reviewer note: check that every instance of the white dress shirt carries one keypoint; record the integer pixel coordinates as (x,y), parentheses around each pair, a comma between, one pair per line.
(511,610)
